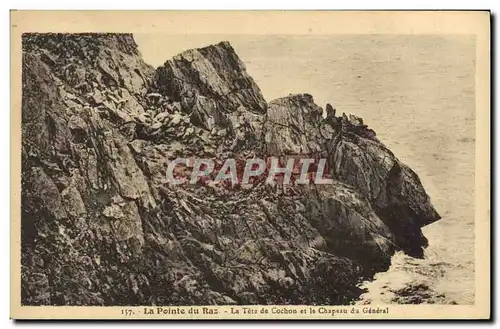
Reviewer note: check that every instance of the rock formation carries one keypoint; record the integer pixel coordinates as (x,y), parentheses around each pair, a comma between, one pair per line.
(100,226)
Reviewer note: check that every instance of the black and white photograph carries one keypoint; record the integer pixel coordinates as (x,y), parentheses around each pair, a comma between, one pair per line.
(278,174)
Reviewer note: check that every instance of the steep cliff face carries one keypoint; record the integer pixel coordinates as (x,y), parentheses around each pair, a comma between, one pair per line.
(357,158)
(213,87)
(102,226)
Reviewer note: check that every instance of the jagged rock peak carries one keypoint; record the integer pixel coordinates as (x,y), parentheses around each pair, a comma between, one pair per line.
(212,75)
(302,98)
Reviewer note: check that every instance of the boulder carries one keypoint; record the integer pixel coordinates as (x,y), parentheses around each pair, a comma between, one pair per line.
(97,97)
(210,83)
(161,116)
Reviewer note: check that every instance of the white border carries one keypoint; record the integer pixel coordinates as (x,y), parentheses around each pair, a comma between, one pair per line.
(213,4)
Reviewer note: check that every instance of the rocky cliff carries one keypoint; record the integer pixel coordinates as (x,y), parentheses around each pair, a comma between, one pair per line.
(101,226)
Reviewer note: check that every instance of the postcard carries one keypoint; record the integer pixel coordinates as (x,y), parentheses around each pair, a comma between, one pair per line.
(250,165)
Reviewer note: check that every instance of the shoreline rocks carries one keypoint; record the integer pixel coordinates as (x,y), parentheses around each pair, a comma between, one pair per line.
(99,127)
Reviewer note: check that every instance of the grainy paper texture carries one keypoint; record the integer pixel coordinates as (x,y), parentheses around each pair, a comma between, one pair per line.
(145,145)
